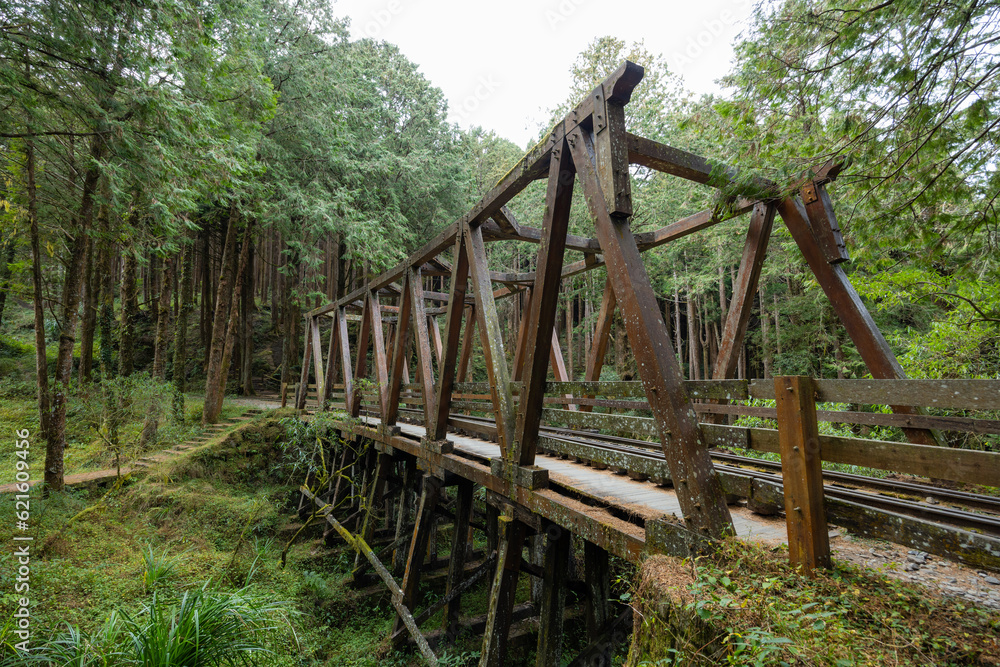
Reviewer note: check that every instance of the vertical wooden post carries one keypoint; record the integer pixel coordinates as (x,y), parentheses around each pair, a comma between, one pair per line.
(602,334)
(303,388)
(345,359)
(456,565)
(429,495)
(553,605)
(400,345)
(802,473)
(361,357)
(597,575)
(467,340)
(371,502)
(498,619)
(331,358)
(378,353)
(318,363)
(522,339)
(422,342)
(403,513)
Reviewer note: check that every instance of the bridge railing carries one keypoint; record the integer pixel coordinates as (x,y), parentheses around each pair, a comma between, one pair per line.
(603,424)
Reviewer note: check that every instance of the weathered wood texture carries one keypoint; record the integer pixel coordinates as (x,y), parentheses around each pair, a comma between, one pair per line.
(802,472)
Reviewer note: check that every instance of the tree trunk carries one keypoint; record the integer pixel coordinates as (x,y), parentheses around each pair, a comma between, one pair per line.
(89,322)
(163,321)
(569,339)
(129,313)
(56,444)
(215,382)
(677,322)
(693,339)
(186,306)
(249,307)
(290,312)
(765,343)
(232,323)
(6,270)
(41,359)
(777,326)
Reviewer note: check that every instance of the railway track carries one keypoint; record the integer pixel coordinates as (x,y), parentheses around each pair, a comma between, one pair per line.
(954,508)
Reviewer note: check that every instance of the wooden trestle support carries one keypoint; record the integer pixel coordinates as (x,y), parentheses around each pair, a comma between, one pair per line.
(396,491)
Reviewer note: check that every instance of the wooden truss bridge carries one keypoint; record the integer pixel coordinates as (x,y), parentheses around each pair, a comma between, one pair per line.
(559,459)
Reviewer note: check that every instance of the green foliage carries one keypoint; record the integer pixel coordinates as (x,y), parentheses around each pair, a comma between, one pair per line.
(747,606)
(159,566)
(205,628)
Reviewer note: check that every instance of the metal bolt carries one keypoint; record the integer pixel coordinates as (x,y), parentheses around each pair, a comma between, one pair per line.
(795,448)
(798,509)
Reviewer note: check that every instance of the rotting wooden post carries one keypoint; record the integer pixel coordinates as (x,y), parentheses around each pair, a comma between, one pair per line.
(802,473)
(429,495)
(498,620)
(597,575)
(553,604)
(456,566)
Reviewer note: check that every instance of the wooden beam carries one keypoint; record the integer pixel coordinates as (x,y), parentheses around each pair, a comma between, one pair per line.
(410,588)
(498,620)
(802,473)
(422,341)
(542,314)
(317,347)
(378,354)
(437,427)
(754,251)
(552,610)
(467,342)
(361,357)
(399,349)
(861,327)
(303,388)
(456,564)
(345,359)
(699,490)
(602,334)
(491,338)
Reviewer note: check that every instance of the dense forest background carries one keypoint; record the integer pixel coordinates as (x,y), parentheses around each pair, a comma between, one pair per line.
(179,180)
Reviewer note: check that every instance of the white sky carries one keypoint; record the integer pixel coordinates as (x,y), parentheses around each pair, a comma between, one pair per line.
(503,64)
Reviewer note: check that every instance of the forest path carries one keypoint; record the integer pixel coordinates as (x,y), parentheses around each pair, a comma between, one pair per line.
(211,431)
